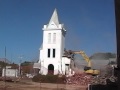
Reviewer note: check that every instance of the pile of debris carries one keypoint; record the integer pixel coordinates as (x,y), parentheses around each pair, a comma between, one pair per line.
(103,79)
(79,79)
(84,79)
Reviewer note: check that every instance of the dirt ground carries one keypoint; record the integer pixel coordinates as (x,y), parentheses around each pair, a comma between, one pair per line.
(29,85)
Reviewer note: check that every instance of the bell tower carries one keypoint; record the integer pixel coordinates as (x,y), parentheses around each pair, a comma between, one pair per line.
(53,45)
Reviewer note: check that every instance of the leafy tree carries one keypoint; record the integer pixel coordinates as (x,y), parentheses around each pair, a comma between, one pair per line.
(3,64)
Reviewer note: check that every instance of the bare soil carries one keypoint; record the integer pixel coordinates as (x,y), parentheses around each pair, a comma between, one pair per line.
(29,85)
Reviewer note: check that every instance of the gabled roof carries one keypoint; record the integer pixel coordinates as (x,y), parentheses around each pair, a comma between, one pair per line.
(54,18)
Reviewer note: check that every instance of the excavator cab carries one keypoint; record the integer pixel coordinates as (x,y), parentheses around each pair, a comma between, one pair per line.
(90,71)
(87,68)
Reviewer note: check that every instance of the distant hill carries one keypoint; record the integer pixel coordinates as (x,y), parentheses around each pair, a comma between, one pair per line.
(103,56)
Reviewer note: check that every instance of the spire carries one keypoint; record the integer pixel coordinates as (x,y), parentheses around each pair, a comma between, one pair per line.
(54,17)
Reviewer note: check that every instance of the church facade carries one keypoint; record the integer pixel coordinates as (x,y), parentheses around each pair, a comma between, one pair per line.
(51,58)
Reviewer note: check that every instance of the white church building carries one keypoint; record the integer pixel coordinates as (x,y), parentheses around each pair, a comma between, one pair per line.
(51,58)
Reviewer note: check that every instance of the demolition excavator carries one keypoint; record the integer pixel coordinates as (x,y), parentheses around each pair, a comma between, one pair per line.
(88,69)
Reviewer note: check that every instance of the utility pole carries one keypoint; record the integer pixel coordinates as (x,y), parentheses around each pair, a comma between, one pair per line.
(20,65)
(5,69)
(117,17)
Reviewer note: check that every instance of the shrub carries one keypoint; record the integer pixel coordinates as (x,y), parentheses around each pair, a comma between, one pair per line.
(48,78)
(36,78)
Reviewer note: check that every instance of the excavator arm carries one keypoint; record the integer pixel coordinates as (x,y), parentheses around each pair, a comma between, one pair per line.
(85,57)
(87,69)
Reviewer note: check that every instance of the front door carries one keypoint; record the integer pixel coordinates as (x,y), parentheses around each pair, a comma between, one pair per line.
(50,69)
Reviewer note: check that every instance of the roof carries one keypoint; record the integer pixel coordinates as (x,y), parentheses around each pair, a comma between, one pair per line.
(36,65)
(54,18)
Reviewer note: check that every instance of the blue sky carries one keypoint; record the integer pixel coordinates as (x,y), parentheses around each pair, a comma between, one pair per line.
(90,26)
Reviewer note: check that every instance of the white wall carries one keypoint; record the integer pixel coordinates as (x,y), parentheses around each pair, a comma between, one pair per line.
(10,72)
(58,29)
(58,46)
(65,60)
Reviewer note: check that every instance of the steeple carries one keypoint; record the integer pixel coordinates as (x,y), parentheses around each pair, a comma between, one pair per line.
(54,18)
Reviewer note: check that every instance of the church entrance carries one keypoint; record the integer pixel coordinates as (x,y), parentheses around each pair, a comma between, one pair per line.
(50,69)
